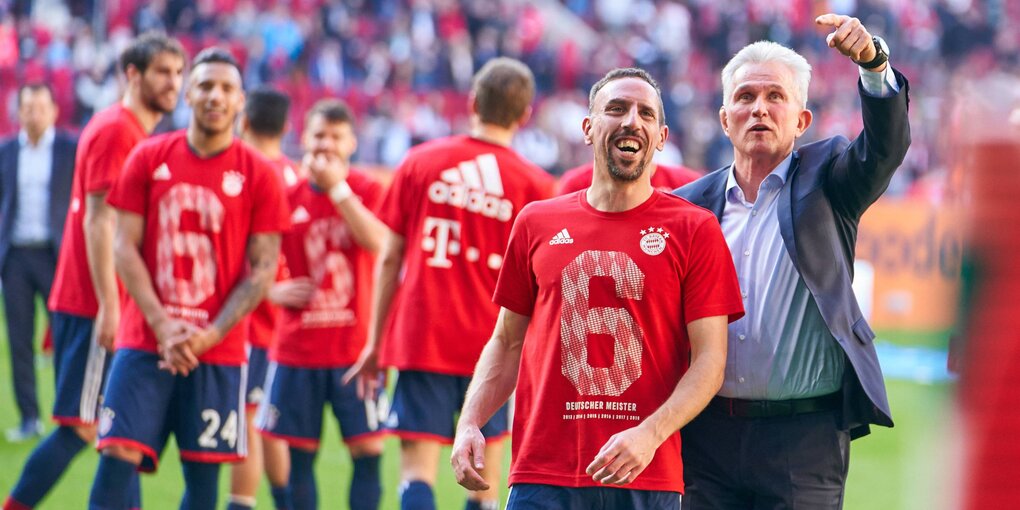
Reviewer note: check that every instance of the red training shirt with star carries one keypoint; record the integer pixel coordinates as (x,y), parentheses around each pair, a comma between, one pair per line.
(610,296)
(262,320)
(454,201)
(331,331)
(102,148)
(199,214)
(665,178)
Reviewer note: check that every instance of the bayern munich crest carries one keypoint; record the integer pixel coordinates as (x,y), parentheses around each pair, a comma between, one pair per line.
(233,183)
(106,421)
(653,240)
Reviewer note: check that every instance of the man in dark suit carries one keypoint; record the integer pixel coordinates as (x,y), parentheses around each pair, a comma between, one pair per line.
(36,167)
(802,377)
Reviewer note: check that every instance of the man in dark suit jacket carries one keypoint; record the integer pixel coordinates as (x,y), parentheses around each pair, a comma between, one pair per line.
(802,376)
(36,167)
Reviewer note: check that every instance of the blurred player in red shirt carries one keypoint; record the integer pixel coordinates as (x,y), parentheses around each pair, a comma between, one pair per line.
(198,237)
(263,126)
(627,291)
(450,208)
(85,297)
(324,307)
(664,177)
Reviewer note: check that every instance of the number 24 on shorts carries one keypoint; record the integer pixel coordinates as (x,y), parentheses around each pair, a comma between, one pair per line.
(227,433)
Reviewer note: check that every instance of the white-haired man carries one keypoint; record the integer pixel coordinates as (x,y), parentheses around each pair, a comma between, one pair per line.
(802,378)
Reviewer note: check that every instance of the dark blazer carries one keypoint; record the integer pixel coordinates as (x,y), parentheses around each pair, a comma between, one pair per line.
(830,184)
(64,146)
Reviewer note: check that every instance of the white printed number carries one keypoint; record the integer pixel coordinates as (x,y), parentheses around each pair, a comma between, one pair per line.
(578,321)
(227,433)
(175,244)
(325,238)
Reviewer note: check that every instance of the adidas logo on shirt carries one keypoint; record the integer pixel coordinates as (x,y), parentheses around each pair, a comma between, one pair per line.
(475,185)
(300,215)
(162,173)
(561,237)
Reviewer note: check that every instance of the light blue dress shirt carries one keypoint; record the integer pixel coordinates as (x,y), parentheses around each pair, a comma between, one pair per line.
(35,168)
(781,349)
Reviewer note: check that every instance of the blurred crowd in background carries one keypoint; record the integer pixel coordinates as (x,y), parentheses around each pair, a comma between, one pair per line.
(405,65)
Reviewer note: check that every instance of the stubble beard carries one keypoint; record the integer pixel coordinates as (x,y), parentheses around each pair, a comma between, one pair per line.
(619,174)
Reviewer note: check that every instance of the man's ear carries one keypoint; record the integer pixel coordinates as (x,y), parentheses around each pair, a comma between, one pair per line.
(804,121)
(724,121)
(586,128)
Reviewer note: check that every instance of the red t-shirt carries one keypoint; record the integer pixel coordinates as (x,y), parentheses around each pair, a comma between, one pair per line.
(262,321)
(104,145)
(454,201)
(199,214)
(332,329)
(610,296)
(665,178)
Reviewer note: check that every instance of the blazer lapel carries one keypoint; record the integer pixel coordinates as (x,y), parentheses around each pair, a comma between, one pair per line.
(714,196)
(784,210)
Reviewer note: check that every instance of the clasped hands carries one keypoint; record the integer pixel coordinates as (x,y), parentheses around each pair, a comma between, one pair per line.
(181,343)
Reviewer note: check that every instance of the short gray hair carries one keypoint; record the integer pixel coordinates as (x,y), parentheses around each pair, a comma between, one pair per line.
(767,51)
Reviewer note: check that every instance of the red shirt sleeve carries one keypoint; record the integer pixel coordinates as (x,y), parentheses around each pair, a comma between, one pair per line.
(130,190)
(400,194)
(516,287)
(710,285)
(270,212)
(105,159)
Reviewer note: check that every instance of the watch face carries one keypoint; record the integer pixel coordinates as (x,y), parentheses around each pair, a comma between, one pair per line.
(881,46)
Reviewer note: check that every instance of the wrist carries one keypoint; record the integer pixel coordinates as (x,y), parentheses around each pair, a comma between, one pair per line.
(340,192)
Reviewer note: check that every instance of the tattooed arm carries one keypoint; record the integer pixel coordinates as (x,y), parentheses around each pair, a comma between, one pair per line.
(263,252)
(171,334)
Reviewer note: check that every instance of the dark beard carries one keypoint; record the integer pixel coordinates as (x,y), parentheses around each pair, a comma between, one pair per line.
(617,173)
(152,104)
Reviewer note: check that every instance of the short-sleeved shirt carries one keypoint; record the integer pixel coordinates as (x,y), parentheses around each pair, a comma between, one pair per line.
(331,331)
(665,178)
(198,214)
(454,201)
(102,149)
(610,296)
(262,321)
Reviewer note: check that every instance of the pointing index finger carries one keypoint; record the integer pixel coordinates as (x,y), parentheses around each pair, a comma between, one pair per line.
(832,20)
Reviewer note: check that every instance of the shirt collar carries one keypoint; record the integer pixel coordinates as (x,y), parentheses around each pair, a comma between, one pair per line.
(779,173)
(45,140)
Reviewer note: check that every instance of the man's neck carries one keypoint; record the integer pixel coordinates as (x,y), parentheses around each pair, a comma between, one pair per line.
(493,134)
(34,137)
(611,195)
(205,144)
(750,171)
(267,146)
(146,116)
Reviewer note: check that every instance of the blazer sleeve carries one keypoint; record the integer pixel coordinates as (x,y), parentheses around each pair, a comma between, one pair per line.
(861,173)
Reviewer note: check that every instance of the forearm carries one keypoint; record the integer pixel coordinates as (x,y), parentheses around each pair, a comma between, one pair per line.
(367,230)
(132,271)
(263,256)
(694,391)
(699,383)
(494,381)
(387,276)
(100,222)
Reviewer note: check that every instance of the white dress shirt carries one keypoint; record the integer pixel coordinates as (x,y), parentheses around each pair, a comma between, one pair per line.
(35,169)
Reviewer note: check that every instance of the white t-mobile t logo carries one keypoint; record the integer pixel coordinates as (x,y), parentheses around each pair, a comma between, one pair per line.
(442,238)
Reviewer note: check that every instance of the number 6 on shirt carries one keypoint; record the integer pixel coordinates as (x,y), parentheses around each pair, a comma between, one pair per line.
(174,242)
(578,321)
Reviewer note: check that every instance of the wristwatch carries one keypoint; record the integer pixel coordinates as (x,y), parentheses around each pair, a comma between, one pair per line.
(881,54)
